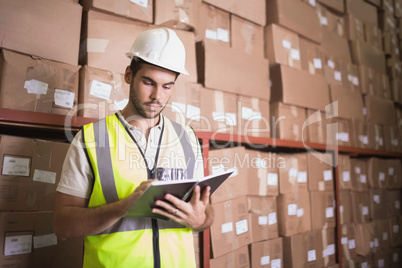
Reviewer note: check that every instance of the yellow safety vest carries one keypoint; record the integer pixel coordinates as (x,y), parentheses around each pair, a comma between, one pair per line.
(119,167)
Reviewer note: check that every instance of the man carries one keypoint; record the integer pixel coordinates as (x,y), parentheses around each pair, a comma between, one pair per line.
(112,161)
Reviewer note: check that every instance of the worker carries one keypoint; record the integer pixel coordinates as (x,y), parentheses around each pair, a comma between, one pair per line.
(112,161)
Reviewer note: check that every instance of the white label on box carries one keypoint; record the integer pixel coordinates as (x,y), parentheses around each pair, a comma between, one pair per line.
(376,199)
(223,35)
(261,163)
(235,172)
(395,257)
(292,172)
(218,116)
(397,204)
(352,244)
(365,210)
(381,263)
(217,169)
(292,209)
(36,87)
(395,229)
(331,64)
(64,98)
(16,166)
(211,34)
(272,218)
(363,139)
(178,107)
(295,54)
(394,142)
(391,171)
(317,63)
(324,20)
(328,175)
(231,119)
(312,2)
(119,105)
(286,44)
(346,176)
(272,179)
(341,208)
(302,177)
(262,220)
(338,76)
(143,3)
(311,255)
(193,112)
(256,116)
(357,170)
(265,260)
(363,178)
(241,227)
(48,240)
(329,212)
(371,244)
(344,240)
(44,176)
(100,90)
(342,136)
(381,176)
(300,212)
(276,263)
(14,245)
(376,242)
(97,45)
(227,227)
(385,236)
(355,80)
(246,113)
(364,265)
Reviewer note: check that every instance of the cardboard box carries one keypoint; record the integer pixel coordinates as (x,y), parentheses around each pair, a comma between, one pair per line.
(136,10)
(43,29)
(236,258)
(394,173)
(294,213)
(101,93)
(346,103)
(368,80)
(376,135)
(377,199)
(311,56)
(287,121)
(391,44)
(361,207)
(296,16)
(322,210)
(329,247)
(293,173)
(366,12)
(391,139)
(348,243)
(230,70)
(218,111)
(27,240)
(339,131)
(337,5)
(253,10)
(296,87)
(359,174)
(182,15)
(361,131)
(213,23)
(41,85)
(335,46)
(282,46)
(267,253)
(247,36)
(303,250)
(330,20)
(394,67)
(315,129)
(320,172)
(262,217)
(363,238)
(392,202)
(354,28)
(376,236)
(383,86)
(30,171)
(185,105)
(263,177)
(366,54)
(377,173)
(374,36)
(231,229)
(253,117)
(344,172)
(345,207)
(333,71)
(380,111)
(350,75)
(387,21)
(223,159)
(395,227)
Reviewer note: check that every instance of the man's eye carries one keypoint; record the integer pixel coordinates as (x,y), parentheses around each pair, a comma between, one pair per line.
(167,87)
(147,83)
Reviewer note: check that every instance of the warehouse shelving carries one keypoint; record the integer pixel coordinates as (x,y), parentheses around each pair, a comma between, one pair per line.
(53,123)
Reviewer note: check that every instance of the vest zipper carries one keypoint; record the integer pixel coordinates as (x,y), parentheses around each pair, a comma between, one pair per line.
(155,244)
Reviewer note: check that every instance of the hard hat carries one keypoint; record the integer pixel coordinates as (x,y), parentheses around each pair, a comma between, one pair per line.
(161,47)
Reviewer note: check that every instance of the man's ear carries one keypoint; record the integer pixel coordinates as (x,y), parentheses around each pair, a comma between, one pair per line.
(127,75)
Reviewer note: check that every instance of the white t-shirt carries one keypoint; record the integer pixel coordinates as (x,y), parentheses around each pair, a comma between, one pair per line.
(77,176)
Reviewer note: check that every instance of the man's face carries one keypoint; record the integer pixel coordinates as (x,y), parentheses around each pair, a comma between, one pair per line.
(150,90)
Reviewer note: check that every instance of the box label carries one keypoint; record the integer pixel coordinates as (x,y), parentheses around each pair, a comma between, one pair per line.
(193,112)
(302,177)
(351,244)
(265,260)
(48,240)
(36,87)
(262,220)
(227,227)
(276,263)
(329,212)
(311,256)
(100,90)
(16,166)
(143,3)
(328,175)
(292,209)
(64,98)
(346,176)
(241,227)
(15,245)
(44,176)
(272,179)
(272,218)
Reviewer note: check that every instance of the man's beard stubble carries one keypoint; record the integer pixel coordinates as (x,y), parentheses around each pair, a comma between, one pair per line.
(140,106)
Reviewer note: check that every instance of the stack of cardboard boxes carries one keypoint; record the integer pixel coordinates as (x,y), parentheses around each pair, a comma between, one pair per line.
(322,72)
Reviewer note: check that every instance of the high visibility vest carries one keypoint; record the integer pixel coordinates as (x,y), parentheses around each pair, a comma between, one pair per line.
(119,167)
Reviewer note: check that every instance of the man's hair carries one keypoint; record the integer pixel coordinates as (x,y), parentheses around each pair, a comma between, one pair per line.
(136,64)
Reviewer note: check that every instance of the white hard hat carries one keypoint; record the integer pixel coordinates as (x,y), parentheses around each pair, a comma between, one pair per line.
(161,47)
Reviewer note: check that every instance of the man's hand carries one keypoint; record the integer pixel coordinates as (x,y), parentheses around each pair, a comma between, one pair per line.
(196,214)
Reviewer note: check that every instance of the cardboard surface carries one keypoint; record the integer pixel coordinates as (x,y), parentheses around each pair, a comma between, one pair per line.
(315,129)
(320,173)
(262,216)
(322,210)
(379,111)
(345,172)
(236,258)
(293,176)
(267,253)
(287,122)
(247,36)
(311,56)
(181,15)
(366,54)
(253,117)
(345,205)
(359,174)
(49,30)
(349,103)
